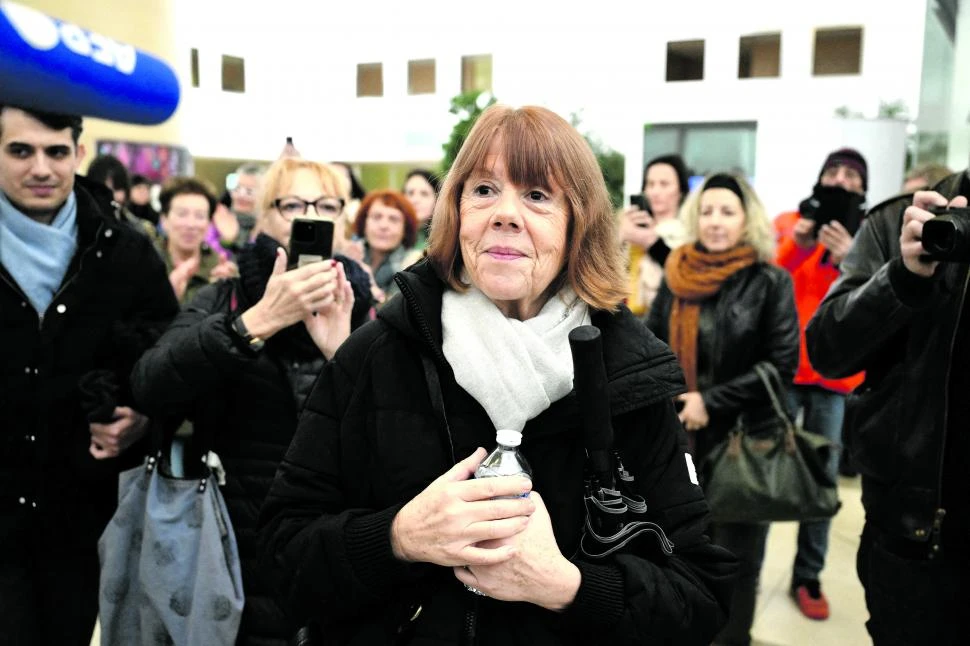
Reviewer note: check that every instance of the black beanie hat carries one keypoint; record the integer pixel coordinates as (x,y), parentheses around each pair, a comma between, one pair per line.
(851,158)
(675,161)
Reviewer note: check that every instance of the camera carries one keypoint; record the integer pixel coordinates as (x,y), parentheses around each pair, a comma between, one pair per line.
(947,236)
(311,240)
(834,204)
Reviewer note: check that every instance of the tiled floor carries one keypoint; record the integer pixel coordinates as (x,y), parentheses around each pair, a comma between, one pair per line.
(777,620)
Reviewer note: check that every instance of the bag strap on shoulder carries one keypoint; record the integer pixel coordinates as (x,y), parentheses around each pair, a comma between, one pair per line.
(438,401)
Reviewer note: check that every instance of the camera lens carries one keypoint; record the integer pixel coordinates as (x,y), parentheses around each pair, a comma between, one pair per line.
(303,231)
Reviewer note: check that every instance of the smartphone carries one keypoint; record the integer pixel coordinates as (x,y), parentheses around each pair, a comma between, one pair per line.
(311,240)
(639,200)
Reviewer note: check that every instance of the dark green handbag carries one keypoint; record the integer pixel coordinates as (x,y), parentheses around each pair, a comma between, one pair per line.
(772,472)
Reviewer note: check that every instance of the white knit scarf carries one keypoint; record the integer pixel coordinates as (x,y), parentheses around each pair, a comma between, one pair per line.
(514,369)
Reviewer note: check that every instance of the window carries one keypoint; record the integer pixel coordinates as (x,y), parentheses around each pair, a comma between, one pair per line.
(760,56)
(685,60)
(233,74)
(194,66)
(706,147)
(421,77)
(838,51)
(476,73)
(370,79)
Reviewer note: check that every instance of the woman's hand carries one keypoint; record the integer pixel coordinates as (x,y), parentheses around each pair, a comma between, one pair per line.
(291,296)
(694,415)
(376,292)
(537,572)
(181,275)
(330,326)
(637,227)
(444,523)
(226,223)
(225,269)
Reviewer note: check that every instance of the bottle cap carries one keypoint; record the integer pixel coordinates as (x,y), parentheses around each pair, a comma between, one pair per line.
(508,437)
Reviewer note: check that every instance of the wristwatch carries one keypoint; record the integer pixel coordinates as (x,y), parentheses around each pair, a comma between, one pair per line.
(253,343)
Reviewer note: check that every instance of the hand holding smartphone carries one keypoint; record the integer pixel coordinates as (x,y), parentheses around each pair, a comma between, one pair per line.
(639,200)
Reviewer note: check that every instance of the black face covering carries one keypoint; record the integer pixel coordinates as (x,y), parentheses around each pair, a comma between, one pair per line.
(834,203)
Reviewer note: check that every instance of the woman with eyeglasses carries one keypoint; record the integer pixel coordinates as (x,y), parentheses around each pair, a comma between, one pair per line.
(388,226)
(240,360)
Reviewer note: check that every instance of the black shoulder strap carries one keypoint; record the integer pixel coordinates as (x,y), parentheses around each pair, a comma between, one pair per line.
(438,401)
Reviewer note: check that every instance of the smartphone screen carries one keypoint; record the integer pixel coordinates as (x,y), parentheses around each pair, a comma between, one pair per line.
(311,240)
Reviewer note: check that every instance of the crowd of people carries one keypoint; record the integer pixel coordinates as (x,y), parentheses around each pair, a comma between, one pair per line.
(351,400)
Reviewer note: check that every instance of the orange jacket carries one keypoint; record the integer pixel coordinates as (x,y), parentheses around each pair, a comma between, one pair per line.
(812,280)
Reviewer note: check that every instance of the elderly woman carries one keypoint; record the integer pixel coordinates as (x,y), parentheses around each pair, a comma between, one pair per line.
(723,307)
(388,227)
(240,361)
(374,520)
(187,208)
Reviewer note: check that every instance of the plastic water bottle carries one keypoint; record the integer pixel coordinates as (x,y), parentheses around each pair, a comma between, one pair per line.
(505,460)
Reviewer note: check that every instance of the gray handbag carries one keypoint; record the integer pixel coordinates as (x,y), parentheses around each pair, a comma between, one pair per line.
(169,562)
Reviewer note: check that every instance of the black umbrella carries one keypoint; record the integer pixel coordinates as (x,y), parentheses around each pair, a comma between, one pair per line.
(615,514)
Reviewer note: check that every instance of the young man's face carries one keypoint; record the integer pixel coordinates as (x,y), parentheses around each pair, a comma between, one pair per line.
(37,164)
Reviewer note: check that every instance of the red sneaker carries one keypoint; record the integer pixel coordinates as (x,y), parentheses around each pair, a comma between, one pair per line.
(813,604)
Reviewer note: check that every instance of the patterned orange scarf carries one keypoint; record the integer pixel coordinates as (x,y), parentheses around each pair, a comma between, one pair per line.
(694,275)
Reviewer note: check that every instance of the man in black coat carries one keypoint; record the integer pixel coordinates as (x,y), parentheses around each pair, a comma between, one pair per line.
(904,319)
(82,294)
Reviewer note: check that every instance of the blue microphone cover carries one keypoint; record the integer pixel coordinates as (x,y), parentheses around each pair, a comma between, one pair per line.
(54,66)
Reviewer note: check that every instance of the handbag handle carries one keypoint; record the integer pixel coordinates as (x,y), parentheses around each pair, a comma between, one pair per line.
(766,371)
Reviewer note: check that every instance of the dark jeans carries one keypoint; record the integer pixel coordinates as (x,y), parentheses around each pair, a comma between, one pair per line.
(747,542)
(911,599)
(822,413)
(52,599)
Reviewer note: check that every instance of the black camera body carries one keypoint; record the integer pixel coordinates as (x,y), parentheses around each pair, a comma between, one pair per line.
(946,237)
(834,204)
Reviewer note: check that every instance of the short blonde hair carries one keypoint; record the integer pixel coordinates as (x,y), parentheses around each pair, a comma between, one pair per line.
(279,177)
(538,146)
(758,231)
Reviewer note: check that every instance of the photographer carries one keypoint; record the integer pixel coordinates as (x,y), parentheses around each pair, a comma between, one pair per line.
(901,318)
(811,244)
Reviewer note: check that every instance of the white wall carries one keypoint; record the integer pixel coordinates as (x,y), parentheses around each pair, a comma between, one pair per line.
(607,60)
(790,156)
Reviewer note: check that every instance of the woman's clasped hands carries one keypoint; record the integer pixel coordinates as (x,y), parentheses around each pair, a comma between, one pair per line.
(503,547)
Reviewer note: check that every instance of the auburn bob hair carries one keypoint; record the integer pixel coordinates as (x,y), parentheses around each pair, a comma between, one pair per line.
(539,148)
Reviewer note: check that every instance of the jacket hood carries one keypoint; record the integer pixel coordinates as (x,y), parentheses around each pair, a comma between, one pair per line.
(632,354)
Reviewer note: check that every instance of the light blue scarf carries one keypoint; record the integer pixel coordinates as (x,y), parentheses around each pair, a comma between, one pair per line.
(37,255)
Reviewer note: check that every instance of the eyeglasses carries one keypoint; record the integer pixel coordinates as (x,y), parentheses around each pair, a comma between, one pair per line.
(291,207)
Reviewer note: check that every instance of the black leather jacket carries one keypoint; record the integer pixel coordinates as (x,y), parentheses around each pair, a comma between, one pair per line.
(901,329)
(751,319)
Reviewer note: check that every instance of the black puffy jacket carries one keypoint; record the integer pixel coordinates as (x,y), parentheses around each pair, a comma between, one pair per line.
(114,302)
(248,403)
(369,440)
(751,319)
